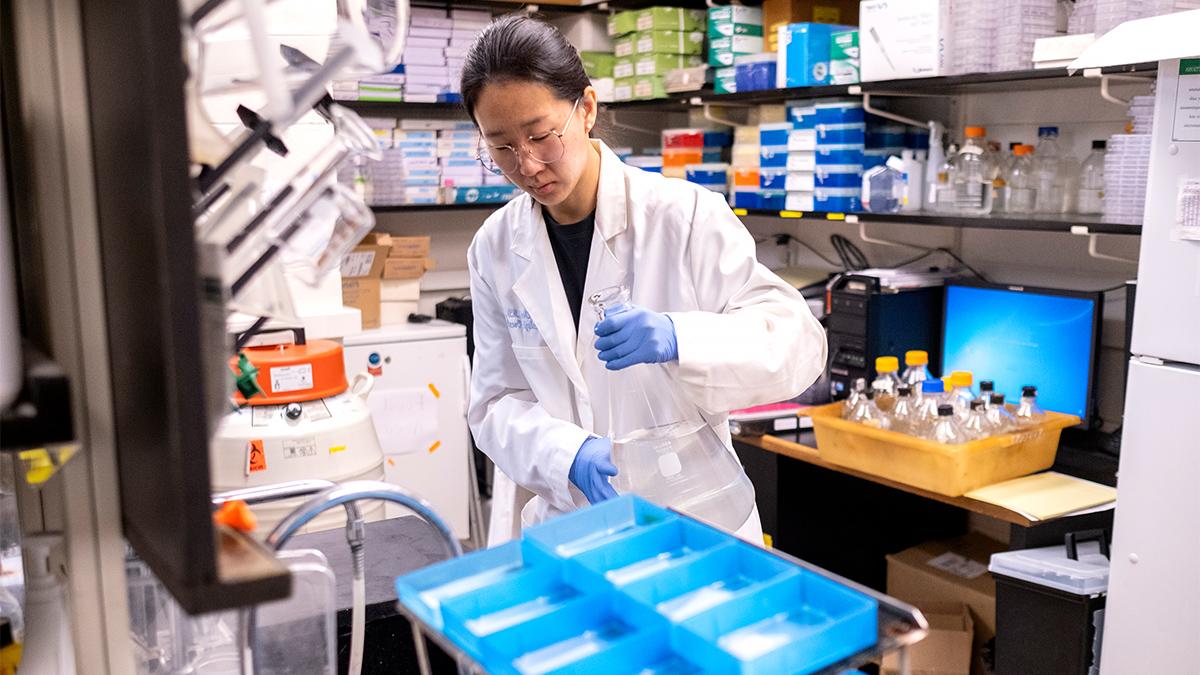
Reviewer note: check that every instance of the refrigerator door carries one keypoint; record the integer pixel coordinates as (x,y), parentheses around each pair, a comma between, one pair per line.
(1152,621)
(1167,315)
(419,405)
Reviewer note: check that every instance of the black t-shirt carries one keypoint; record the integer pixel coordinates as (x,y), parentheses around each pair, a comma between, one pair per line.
(572,245)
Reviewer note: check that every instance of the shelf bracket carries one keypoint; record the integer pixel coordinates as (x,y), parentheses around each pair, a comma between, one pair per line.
(863,236)
(1094,253)
(1106,79)
(612,121)
(708,115)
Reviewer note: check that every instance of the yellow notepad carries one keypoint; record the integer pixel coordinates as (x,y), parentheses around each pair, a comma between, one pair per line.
(1045,495)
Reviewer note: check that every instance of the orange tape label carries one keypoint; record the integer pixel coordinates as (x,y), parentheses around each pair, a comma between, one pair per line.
(436,393)
(435,446)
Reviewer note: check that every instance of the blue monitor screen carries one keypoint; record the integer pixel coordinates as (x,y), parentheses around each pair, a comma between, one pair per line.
(1019,338)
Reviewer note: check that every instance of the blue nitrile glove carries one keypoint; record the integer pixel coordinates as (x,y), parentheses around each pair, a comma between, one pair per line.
(636,335)
(592,468)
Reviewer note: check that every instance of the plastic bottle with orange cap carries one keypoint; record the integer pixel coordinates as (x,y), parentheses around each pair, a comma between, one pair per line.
(973,168)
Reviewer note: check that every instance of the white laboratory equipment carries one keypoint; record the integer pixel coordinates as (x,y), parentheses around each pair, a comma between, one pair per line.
(308,422)
(419,403)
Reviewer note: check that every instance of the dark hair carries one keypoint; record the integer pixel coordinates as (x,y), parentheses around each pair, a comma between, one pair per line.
(518,47)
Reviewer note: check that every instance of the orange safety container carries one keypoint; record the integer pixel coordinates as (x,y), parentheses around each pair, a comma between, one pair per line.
(951,470)
(683,157)
(745,176)
(292,373)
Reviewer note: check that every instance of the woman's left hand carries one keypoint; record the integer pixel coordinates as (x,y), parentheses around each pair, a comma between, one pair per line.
(636,335)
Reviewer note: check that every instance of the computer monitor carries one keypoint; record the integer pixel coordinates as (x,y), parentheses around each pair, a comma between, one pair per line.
(1018,336)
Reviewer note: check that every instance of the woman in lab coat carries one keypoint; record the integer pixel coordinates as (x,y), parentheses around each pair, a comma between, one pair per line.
(731,333)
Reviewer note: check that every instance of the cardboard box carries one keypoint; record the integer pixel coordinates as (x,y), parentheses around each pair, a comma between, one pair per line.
(409,247)
(947,648)
(953,570)
(361,270)
(778,13)
(406,268)
(904,39)
(400,290)
(843,57)
(669,42)
(392,313)
(670,18)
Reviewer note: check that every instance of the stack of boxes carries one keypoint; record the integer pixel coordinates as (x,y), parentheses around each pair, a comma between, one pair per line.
(588,32)
(773,165)
(648,44)
(883,140)
(804,54)
(802,155)
(381,277)
(733,31)
(681,148)
(841,140)
(744,162)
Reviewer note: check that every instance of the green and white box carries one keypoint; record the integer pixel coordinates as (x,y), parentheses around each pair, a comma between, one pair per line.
(660,64)
(623,89)
(598,64)
(622,23)
(722,51)
(624,46)
(734,20)
(624,67)
(651,86)
(670,18)
(669,42)
(844,57)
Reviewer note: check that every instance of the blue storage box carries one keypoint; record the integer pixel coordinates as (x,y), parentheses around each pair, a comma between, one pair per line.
(839,176)
(707,173)
(873,157)
(841,134)
(839,154)
(885,138)
(717,139)
(838,200)
(653,550)
(609,521)
(746,198)
(488,194)
(795,625)
(802,160)
(802,139)
(774,133)
(754,72)
(804,54)
(802,114)
(772,179)
(712,155)
(773,156)
(772,200)
(839,112)
(800,181)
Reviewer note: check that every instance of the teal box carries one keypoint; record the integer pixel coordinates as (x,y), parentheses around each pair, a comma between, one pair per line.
(804,49)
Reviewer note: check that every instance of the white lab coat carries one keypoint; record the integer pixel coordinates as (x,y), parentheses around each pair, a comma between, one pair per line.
(745,337)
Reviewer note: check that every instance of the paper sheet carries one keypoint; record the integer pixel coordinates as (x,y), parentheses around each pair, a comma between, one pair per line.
(406,420)
(1045,495)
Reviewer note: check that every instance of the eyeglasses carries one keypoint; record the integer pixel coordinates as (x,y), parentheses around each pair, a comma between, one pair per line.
(546,148)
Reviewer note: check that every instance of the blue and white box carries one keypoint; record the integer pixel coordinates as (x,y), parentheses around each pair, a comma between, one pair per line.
(803,57)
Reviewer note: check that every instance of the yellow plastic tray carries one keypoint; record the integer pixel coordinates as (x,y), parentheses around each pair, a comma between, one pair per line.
(951,470)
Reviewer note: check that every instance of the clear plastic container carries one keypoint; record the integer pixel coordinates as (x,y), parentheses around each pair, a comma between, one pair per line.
(1048,164)
(932,397)
(972,175)
(903,410)
(868,413)
(882,189)
(664,450)
(961,394)
(946,429)
(857,390)
(1090,184)
(916,371)
(975,426)
(940,195)
(1021,186)
(1028,412)
(999,418)
(986,389)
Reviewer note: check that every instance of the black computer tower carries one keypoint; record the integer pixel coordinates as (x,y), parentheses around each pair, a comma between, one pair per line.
(866,321)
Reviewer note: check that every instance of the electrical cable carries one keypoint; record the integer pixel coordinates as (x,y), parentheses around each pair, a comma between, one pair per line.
(783,238)
(852,256)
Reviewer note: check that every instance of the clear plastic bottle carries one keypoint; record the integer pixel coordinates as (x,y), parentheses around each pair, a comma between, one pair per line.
(916,367)
(998,417)
(866,412)
(923,419)
(972,175)
(960,393)
(976,426)
(1047,164)
(883,187)
(904,410)
(914,181)
(857,390)
(986,389)
(1090,184)
(1022,185)
(946,429)
(887,381)
(941,186)
(1028,412)
(664,449)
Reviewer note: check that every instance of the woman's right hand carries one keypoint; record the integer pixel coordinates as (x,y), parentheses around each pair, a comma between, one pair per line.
(592,468)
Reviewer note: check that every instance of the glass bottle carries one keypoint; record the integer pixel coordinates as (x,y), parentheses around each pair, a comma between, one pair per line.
(866,412)
(986,389)
(663,449)
(1047,165)
(972,175)
(946,429)
(998,417)
(926,413)
(1090,191)
(976,426)
(916,368)
(941,187)
(903,410)
(960,393)
(857,391)
(1023,182)
(887,380)
(1028,412)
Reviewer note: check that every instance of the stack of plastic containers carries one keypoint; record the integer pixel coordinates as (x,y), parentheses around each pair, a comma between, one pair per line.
(1127,164)
(713,176)
(973,28)
(773,165)
(1019,24)
(744,161)
(841,139)
(1110,13)
(651,163)
(1083,18)
(626,586)
(681,147)
(802,156)
(883,140)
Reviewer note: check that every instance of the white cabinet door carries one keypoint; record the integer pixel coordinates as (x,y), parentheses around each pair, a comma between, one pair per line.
(427,451)
(1152,621)
(1167,314)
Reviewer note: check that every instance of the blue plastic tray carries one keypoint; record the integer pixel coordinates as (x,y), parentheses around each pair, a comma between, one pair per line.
(627,586)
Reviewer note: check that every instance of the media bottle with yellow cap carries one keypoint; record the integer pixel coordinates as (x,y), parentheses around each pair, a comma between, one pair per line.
(887,381)
(916,368)
(959,392)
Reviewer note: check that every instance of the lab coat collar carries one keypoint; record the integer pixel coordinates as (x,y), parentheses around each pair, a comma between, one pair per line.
(610,206)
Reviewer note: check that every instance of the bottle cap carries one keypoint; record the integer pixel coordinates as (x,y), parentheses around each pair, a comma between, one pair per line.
(887,364)
(904,390)
(870,395)
(979,132)
(1099,145)
(962,378)
(932,387)
(987,385)
(1022,150)
(945,410)
(997,399)
(1013,146)
(916,357)
(1028,391)
(1048,131)
(6,634)
(976,404)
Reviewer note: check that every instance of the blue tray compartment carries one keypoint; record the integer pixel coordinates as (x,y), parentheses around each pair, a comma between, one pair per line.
(426,590)
(583,530)
(652,551)
(708,581)
(797,625)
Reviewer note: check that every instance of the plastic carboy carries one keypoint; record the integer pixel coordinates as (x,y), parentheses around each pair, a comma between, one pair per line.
(663,448)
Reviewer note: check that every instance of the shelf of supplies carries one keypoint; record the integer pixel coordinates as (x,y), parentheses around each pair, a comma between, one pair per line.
(1015,80)
(417,208)
(1072,223)
(550,6)
(379,107)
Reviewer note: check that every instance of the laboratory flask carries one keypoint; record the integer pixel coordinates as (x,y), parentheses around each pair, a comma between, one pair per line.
(663,448)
